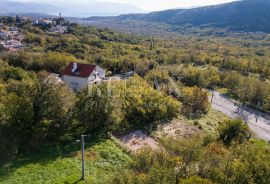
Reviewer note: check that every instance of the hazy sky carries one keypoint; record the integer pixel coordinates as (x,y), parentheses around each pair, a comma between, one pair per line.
(150,5)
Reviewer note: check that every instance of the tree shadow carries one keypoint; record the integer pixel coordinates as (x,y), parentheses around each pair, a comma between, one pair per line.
(226,95)
(47,154)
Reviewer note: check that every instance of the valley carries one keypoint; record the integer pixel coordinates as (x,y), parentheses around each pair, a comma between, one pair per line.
(174,96)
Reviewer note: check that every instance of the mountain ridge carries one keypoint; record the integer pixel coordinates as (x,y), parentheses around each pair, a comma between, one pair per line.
(94,8)
(27,7)
(244,15)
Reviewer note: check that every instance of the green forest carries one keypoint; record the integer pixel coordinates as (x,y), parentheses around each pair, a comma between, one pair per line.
(40,121)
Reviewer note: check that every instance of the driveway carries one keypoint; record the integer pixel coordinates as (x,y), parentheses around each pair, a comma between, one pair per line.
(257,121)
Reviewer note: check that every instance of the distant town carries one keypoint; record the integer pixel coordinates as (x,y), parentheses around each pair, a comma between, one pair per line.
(12,37)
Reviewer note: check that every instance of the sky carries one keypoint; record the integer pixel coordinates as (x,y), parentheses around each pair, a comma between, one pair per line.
(148,5)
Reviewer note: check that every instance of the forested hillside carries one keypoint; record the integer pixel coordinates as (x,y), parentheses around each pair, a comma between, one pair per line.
(244,15)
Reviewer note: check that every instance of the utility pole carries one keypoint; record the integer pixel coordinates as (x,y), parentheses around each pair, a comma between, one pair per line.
(82,142)
(212,98)
(244,100)
(213,94)
(258,106)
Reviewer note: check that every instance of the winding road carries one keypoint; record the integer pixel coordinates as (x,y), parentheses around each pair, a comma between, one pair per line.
(257,121)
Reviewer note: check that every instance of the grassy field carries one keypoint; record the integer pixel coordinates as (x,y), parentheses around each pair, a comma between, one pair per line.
(63,165)
(209,122)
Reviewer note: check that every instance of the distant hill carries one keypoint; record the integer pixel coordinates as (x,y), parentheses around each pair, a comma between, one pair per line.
(12,7)
(245,15)
(71,9)
(97,8)
(34,15)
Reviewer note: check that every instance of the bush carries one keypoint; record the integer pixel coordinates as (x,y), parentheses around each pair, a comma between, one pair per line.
(123,105)
(195,180)
(161,76)
(189,161)
(195,101)
(233,130)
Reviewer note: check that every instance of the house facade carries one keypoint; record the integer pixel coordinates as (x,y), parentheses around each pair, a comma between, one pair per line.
(77,75)
(12,44)
(11,39)
(3,34)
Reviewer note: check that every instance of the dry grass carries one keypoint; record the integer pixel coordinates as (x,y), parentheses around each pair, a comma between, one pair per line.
(176,128)
(209,122)
(136,140)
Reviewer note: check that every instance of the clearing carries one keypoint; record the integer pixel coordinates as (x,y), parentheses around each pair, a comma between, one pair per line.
(176,128)
(209,122)
(136,140)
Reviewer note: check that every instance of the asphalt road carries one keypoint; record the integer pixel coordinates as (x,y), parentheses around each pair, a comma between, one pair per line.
(257,121)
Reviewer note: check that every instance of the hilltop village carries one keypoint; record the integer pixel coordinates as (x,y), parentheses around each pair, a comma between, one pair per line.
(11,34)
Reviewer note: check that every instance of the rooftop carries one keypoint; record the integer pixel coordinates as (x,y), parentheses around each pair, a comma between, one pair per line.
(82,70)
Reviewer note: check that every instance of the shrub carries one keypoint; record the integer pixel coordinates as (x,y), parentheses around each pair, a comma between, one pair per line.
(123,105)
(195,101)
(233,130)
(195,180)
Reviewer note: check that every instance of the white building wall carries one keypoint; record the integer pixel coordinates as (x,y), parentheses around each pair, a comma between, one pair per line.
(75,83)
(78,83)
(97,75)
(101,72)
(3,34)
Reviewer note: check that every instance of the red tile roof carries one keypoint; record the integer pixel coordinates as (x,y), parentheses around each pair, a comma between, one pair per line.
(83,70)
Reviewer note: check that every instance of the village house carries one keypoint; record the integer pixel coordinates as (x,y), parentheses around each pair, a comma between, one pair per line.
(43,22)
(13,33)
(15,43)
(58,29)
(78,75)
(11,38)
(3,34)
(12,44)
(18,37)
(24,19)
(13,29)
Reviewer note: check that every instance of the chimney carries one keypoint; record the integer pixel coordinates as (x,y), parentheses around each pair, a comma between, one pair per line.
(74,67)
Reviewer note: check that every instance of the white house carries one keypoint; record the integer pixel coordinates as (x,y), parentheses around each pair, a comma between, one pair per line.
(12,44)
(78,75)
(59,29)
(15,43)
(3,34)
